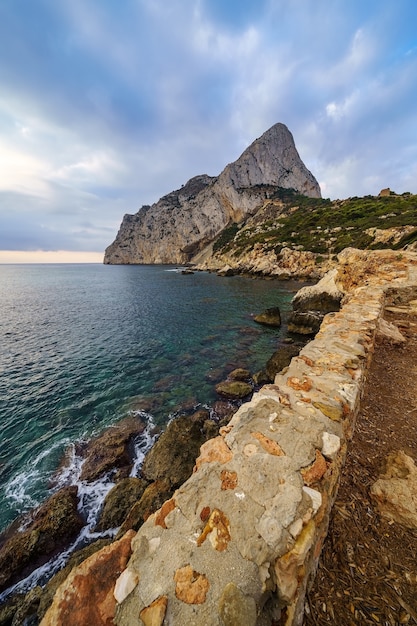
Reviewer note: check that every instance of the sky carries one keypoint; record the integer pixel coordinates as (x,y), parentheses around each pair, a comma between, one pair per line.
(106,105)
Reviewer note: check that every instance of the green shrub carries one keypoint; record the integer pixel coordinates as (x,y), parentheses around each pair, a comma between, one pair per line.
(225,237)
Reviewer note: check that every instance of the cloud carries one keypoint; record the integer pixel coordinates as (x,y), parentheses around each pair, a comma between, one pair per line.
(107,106)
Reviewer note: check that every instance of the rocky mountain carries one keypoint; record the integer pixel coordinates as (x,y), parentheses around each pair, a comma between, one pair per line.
(182,223)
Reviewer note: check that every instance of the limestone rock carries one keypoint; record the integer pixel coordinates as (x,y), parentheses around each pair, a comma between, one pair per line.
(237,608)
(183,222)
(233,389)
(111,449)
(325,296)
(288,566)
(229,479)
(75,559)
(214,450)
(119,501)
(331,445)
(94,578)
(226,271)
(217,529)
(153,615)
(316,471)
(125,584)
(54,524)
(269,445)
(162,513)
(269,317)
(174,454)
(389,331)
(395,493)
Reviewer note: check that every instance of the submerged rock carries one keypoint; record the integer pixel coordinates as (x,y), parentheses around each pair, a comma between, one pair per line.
(54,524)
(234,389)
(239,374)
(224,410)
(269,317)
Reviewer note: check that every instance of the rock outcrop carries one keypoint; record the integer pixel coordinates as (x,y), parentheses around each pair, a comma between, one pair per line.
(311,303)
(395,492)
(52,526)
(183,222)
(94,578)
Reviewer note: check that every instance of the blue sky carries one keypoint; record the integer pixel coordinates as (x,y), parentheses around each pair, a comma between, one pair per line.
(106,105)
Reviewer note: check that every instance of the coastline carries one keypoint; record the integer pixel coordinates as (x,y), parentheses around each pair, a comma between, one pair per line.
(349,279)
(217,416)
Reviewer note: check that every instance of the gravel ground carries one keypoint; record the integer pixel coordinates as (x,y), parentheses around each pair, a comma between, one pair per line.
(368,568)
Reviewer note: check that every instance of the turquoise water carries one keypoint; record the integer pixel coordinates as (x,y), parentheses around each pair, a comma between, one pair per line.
(84,345)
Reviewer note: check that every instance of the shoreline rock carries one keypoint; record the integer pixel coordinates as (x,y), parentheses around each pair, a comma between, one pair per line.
(49,529)
(111,450)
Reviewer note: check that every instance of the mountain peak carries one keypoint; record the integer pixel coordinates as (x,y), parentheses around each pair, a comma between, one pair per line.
(183,222)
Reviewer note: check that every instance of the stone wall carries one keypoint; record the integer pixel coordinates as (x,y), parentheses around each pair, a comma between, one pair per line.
(239,542)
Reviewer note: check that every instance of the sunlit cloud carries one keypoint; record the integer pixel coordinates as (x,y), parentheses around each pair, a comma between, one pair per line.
(49,256)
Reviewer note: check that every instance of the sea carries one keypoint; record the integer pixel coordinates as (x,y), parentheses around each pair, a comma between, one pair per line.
(83,346)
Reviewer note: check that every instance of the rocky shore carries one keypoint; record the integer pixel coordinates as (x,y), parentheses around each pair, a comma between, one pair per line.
(151,509)
(33,540)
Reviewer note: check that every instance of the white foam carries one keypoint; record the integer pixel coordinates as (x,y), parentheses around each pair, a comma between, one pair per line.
(91,496)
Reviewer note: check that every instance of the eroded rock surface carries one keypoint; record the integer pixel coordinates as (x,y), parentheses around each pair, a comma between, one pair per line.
(173,456)
(52,527)
(269,317)
(87,595)
(110,450)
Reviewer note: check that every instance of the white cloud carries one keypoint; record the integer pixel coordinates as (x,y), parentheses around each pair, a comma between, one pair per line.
(344,108)
(93,168)
(20,171)
(152,93)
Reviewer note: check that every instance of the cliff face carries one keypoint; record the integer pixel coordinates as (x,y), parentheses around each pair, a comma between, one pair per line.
(183,222)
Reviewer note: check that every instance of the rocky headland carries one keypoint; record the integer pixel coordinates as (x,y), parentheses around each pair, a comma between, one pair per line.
(184,222)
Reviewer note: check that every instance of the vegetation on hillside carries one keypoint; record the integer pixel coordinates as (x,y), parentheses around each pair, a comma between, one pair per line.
(321,225)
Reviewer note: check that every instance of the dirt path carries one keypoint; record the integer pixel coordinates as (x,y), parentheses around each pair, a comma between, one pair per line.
(368,568)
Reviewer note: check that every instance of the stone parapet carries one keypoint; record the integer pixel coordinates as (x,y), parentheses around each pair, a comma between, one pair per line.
(239,542)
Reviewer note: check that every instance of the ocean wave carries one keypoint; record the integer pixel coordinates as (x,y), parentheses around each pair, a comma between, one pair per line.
(91,497)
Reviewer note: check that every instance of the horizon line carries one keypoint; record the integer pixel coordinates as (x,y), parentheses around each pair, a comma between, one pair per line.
(44,257)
